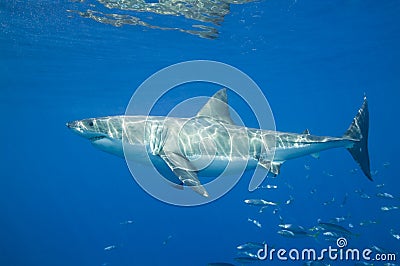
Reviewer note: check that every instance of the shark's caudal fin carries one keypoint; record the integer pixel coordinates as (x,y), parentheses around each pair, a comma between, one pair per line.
(358,131)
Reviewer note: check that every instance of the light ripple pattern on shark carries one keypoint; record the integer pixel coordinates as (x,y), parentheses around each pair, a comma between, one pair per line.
(210,143)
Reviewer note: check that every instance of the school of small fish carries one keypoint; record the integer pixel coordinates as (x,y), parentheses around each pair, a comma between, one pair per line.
(327,229)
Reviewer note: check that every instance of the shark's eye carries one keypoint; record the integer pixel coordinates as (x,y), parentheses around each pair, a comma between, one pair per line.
(91,123)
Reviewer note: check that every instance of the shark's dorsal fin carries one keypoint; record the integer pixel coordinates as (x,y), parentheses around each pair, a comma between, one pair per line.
(306,132)
(217,107)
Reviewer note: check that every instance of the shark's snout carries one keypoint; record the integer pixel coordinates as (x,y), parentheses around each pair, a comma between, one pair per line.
(87,129)
(75,126)
(71,124)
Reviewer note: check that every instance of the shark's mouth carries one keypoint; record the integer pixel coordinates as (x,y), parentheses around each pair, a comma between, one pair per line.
(96,138)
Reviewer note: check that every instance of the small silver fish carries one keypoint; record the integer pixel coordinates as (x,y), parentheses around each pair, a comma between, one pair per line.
(167,240)
(328,173)
(395,234)
(293,234)
(255,222)
(250,245)
(329,202)
(126,222)
(248,254)
(108,248)
(292,227)
(330,234)
(344,201)
(268,187)
(353,171)
(385,195)
(316,228)
(367,222)
(365,196)
(286,233)
(262,209)
(335,228)
(259,202)
(338,219)
(389,208)
(380,250)
(290,200)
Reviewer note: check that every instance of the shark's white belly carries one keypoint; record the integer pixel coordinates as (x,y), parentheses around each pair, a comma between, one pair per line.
(214,166)
(113,146)
(135,153)
(206,165)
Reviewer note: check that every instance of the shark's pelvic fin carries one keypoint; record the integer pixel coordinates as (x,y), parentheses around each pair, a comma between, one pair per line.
(217,107)
(358,132)
(184,170)
(273,167)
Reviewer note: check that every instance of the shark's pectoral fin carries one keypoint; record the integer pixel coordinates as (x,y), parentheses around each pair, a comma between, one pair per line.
(184,170)
(273,167)
(190,179)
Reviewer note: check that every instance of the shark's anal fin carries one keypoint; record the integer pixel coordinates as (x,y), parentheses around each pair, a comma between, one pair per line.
(273,167)
(184,170)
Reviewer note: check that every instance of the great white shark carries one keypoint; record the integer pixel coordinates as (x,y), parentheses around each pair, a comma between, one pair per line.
(210,142)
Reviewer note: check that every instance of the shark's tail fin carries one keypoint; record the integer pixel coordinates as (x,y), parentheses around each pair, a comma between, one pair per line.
(358,131)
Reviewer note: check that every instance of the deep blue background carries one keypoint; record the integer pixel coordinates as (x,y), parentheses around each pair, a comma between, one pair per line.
(62,201)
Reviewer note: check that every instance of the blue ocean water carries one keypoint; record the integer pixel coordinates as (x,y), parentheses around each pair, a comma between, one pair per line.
(63,202)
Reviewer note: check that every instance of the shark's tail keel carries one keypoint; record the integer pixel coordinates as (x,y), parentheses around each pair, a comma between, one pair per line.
(358,131)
